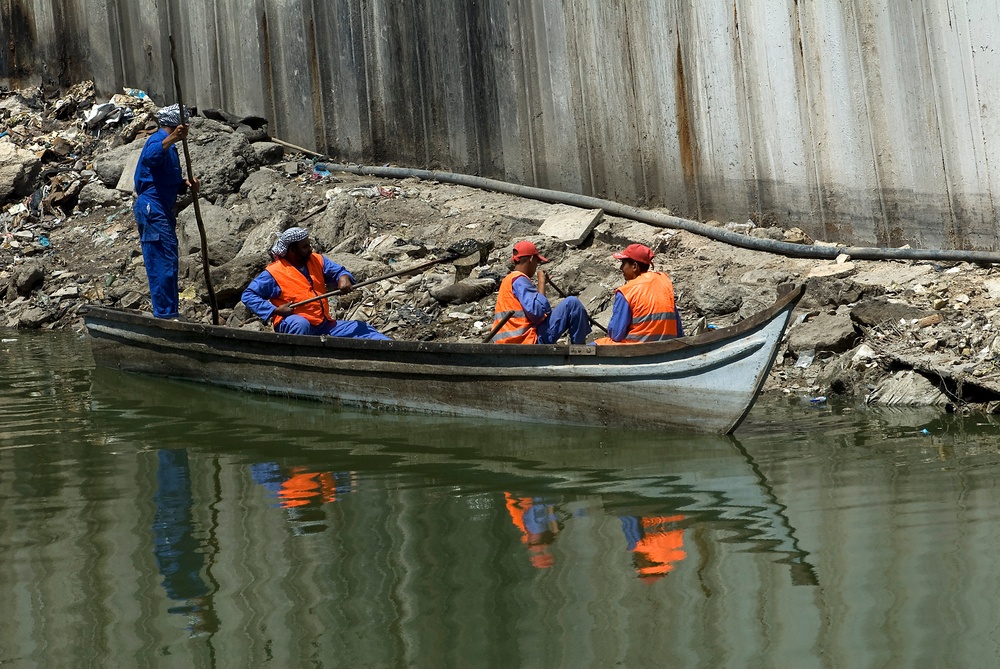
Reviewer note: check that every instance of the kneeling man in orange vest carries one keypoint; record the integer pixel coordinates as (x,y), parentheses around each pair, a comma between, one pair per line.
(295,275)
(533,319)
(644,308)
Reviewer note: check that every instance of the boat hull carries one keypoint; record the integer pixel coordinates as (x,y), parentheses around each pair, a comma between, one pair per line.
(706,383)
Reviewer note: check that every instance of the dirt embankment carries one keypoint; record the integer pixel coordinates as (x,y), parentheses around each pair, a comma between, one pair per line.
(888,332)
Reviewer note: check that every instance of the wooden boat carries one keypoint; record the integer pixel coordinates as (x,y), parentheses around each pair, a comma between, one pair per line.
(705,383)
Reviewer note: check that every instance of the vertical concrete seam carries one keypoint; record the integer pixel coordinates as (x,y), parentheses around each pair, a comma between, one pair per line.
(872,142)
(938,115)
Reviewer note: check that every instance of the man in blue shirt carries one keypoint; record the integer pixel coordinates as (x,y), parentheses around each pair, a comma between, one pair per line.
(298,274)
(158,182)
(532,319)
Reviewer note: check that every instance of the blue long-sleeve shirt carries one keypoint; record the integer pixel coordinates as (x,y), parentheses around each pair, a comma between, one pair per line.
(264,288)
(621,318)
(535,305)
(158,173)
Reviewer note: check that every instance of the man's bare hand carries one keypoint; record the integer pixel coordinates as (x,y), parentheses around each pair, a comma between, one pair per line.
(284,311)
(179,133)
(344,284)
(194,184)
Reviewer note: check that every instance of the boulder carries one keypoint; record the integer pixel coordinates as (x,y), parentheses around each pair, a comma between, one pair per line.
(111,165)
(269,193)
(877,310)
(907,388)
(95,194)
(223,232)
(465,291)
(715,298)
(268,153)
(222,158)
(824,333)
(572,227)
(29,277)
(18,170)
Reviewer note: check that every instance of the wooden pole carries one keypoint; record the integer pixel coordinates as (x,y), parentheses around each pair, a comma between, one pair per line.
(194,194)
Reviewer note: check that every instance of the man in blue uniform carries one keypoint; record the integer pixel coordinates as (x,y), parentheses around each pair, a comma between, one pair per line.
(298,274)
(158,182)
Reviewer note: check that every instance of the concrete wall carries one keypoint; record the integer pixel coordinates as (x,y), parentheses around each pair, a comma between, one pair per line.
(863,121)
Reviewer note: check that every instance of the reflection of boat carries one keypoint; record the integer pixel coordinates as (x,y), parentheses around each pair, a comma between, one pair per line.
(711,481)
(707,382)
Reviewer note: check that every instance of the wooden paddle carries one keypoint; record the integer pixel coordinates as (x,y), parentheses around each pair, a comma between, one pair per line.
(460,249)
(194,193)
(549,281)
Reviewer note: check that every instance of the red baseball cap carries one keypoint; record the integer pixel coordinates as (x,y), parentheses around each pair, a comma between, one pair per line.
(636,252)
(525,249)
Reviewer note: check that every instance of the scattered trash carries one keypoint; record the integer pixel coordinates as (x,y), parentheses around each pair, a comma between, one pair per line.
(320,171)
(43,240)
(818,400)
(925,431)
(805,359)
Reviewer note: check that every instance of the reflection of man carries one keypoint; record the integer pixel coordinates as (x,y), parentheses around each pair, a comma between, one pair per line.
(657,544)
(538,525)
(299,486)
(301,492)
(180,557)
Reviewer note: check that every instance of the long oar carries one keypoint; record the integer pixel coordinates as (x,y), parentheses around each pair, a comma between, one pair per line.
(549,281)
(194,194)
(496,328)
(461,249)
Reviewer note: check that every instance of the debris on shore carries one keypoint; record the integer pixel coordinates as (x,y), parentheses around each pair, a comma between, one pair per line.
(890,332)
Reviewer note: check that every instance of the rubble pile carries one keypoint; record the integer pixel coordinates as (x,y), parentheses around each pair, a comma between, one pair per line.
(889,332)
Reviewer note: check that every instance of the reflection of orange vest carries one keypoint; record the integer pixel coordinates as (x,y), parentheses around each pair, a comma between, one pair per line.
(662,548)
(538,553)
(650,297)
(517,330)
(303,487)
(295,288)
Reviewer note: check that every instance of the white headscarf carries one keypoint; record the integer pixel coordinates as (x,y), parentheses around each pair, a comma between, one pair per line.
(170,116)
(286,238)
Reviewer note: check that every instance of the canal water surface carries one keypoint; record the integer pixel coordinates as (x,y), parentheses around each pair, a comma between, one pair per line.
(146,522)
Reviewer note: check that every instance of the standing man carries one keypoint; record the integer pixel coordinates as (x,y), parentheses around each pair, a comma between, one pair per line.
(644,308)
(534,321)
(158,182)
(298,274)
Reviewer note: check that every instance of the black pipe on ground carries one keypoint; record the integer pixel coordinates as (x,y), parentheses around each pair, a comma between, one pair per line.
(673,222)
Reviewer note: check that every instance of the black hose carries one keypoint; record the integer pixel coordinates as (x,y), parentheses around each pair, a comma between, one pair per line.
(673,222)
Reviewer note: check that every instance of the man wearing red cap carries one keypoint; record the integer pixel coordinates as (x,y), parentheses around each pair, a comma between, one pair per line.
(533,320)
(644,308)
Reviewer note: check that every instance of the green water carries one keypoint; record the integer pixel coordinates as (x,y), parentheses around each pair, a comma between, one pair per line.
(153,523)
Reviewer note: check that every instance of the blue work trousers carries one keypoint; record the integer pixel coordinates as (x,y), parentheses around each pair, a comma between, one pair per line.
(569,316)
(158,237)
(354,329)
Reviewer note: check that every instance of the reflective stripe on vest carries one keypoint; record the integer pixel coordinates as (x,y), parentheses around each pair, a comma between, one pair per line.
(650,296)
(295,287)
(518,329)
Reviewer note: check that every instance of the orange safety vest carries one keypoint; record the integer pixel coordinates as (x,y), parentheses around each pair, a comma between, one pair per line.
(661,549)
(517,330)
(295,288)
(650,296)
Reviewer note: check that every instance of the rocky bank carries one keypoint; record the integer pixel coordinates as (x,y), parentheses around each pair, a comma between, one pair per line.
(883,332)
